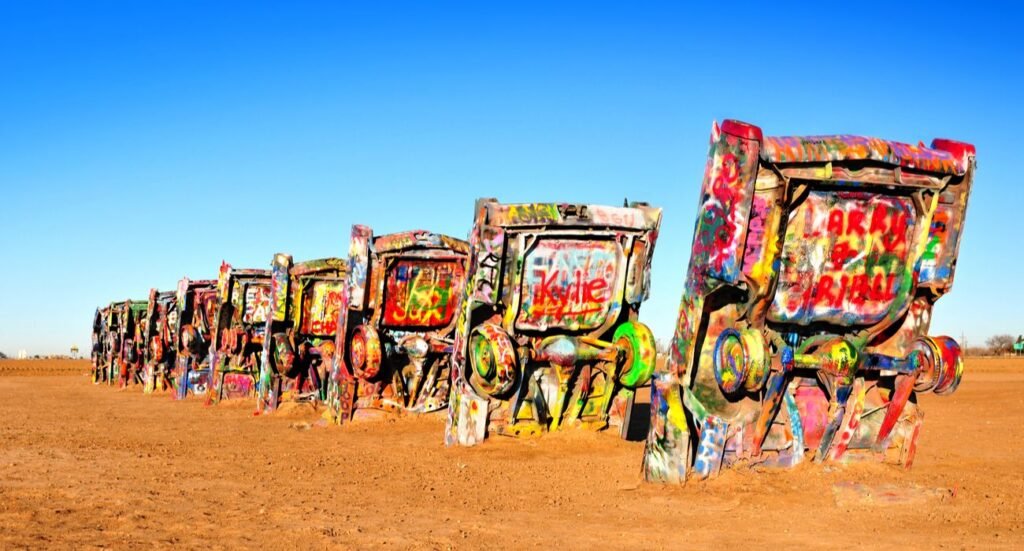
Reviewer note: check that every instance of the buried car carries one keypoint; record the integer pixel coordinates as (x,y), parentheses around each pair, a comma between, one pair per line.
(196,307)
(395,333)
(305,300)
(161,341)
(101,344)
(803,327)
(112,333)
(116,350)
(243,297)
(128,360)
(547,335)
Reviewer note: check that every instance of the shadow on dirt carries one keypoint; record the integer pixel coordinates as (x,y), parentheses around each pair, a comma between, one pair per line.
(639,421)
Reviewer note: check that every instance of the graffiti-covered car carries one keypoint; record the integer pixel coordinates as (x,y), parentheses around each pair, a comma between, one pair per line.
(305,300)
(100,344)
(116,346)
(396,330)
(243,297)
(161,341)
(548,335)
(803,327)
(128,361)
(110,363)
(196,307)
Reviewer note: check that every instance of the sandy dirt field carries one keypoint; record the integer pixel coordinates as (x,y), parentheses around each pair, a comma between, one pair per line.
(92,466)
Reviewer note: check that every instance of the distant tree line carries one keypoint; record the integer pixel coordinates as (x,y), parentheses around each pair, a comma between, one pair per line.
(999,345)
(40,357)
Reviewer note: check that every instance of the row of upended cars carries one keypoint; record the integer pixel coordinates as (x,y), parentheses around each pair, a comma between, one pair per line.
(802,331)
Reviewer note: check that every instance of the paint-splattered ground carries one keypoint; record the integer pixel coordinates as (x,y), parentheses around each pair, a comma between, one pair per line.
(89,466)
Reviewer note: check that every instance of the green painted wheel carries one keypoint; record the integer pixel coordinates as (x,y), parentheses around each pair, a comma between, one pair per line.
(493,370)
(641,355)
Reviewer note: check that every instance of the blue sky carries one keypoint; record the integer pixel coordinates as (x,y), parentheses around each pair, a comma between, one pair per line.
(141,142)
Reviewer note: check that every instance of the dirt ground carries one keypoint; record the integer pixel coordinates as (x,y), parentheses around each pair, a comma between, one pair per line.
(93,466)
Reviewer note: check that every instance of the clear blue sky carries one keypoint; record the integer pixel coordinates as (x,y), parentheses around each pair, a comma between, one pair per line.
(144,141)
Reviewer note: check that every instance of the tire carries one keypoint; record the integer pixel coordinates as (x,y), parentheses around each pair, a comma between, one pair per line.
(641,353)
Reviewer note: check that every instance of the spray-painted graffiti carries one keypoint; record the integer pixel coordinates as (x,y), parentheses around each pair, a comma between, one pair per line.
(320,316)
(805,149)
(840,232)
(937,260)
(533,213)
(257,304)
(358,264)
(620,217)
(569,283)
(421,293)
(489,252)
(844,258)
